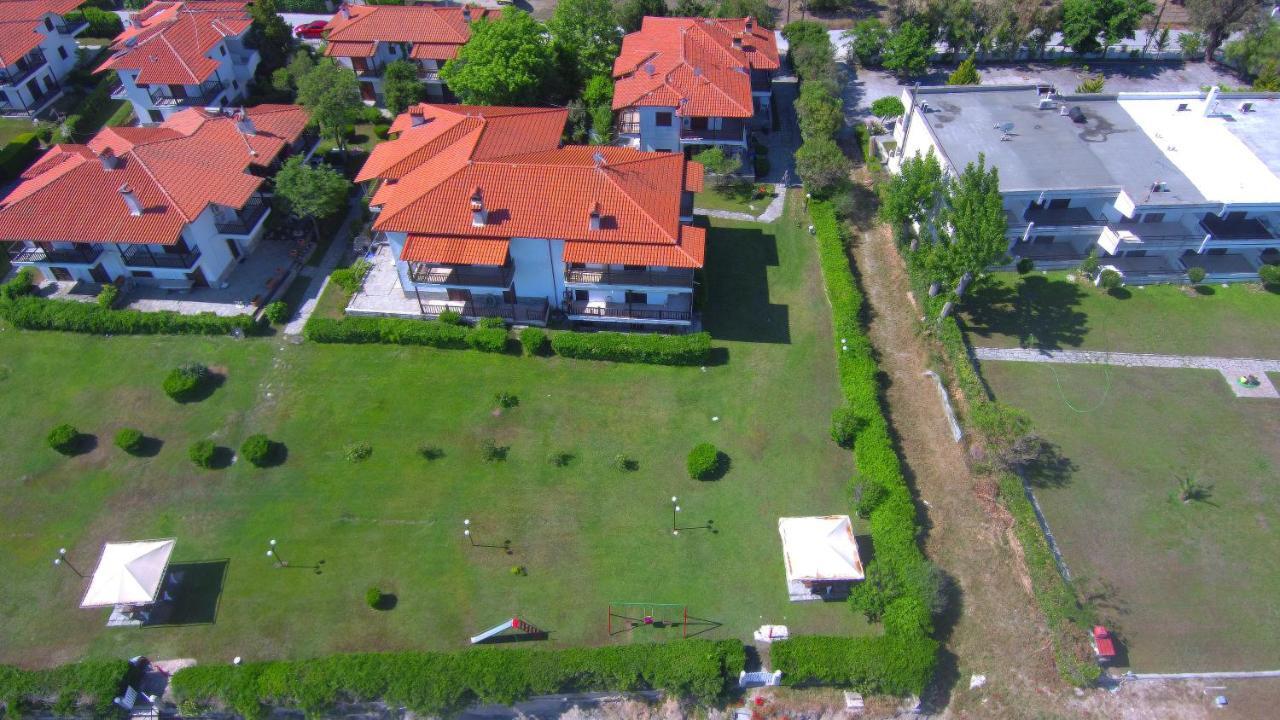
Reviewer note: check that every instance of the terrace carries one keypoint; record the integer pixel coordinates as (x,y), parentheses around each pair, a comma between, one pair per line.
(678,308)
(166,95)
(461,275)
(80,254)
(1238,229)
(243,221)
(731,130)
(633,277)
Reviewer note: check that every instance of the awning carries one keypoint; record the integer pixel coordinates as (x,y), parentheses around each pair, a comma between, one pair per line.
(350,49)
(820,549)
(129,573)
(455,250)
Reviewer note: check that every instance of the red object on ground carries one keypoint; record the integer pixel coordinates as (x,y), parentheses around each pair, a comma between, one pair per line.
(1103,644)
(313,30)
(759,700)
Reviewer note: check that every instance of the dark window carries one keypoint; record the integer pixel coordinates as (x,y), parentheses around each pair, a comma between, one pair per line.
(48,24)
(142,273)
(1042,240)
(1217,251)
(698,123)
(581,295)
(1136,253)
(637,298)
(1059,203)
(1234,217)
(633,268)
(62,52)
(178,248)
(1153,218)
(222,50)
(662,119)
(156,116)
(235,84)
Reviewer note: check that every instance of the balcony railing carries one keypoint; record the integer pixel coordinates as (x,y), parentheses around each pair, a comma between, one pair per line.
(246,219)
(652,278)
(629,311)
(1063,217)
(81,255)
(1248,229)
(142,256)
(23,68)
(730,130)
(371,70)
(428,74)
(209,92)
(526,309)
(428,274)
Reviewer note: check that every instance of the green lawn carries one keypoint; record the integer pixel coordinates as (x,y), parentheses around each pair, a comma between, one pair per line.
(738,197)
(1048,311)
(588,534)
(13,127)
(1188,586)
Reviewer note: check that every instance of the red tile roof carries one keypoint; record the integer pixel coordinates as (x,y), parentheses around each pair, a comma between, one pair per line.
(172,45)
(21,26)
(455,250)
(434,32)
(692,64)
(195,158)
(530,185)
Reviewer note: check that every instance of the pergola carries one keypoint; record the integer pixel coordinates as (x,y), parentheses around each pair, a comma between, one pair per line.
(820,554)
(129,573)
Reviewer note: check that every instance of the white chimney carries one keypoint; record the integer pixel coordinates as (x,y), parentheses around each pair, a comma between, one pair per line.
(478,214)
(244,124)
(344,11)
(1210,101)
(594,223)
(108,159)
(131,200)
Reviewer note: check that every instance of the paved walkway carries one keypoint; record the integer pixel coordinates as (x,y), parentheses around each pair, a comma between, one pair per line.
(1230,368)
(340,245)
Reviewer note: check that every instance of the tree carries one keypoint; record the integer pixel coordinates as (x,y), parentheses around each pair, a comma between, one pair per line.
(1217,19)
(629,14)
(973,221)
(719,163)
(965,74)
(270,35)
(1190,43)
(1269,275)
(1162,40)
(888,107)
(401,86)
(690,8)
(819,112)
(822,165)
(311,192)
(1195,274)
(912,195)
(866,41)
(598,99)
(1258,52)
(587,27)
(907,50)
(758,9)
(507,61)
(331,95)
(1083,21)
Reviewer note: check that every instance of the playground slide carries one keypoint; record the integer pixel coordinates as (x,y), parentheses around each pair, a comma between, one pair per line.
(504,625)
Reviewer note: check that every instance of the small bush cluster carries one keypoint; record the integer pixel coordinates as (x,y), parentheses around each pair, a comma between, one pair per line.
(394,331)
(129,440)
(430,452)
(186,382)
(76,690)
(505,399)
(107,296)
(560,458)
(276,312)
(22,284)
(704,461)
(357,451)
(625,463)
(373,597)
(202,453)
(351,278)
(533,341)
(257,450)
(692,349)
(33,313)
(1269,275)
(491,451)
(63,438)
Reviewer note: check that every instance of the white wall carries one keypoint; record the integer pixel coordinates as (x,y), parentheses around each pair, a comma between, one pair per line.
(539,268)
(653,137)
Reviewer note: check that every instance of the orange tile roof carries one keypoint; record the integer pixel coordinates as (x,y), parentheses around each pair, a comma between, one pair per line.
(692,64)
(195,158)
(168,43)
(21,26)
(691,253)
(434,32)
(530,185)
(455,250)
(350,49)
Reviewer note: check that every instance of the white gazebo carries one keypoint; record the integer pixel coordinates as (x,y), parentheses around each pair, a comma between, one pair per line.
(821,556)
(129,573)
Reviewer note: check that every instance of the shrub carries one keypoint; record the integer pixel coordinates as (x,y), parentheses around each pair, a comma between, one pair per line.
(625,463)
(489,339)
(80,689)
(257,450)
(1089,266)
(534,341)
(373,597)
(505,399)
(1091,85)
(185,383)
(492,323)
(869,497)
(129,440)
(965,74)
(1269,275)
(889,106)
(357,451)
(1110,279)
(692,349)
(351,278)
(430,452)
(449,317)
(107,296)
(519,570)
(391,331)
(33,313)
(277,312)
(1025,265)
(1195,274)
(202,453)
(705,461)
(22,284)
(491,451)
(845,426)
(560,458)
(63,438)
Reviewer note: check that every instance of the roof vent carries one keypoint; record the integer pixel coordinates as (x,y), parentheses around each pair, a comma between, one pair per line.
(1183,107)
(650,69)
(1159,186)
(131,200)
(479,216)
(1047,103)
(108,159)
(1076,114)
(598,158)
(594,223)
(130,42)
(697,71)
(135,21)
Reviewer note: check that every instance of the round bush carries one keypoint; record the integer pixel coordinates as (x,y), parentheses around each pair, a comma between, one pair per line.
(1195,274)
(534,341)
(201,453)
(1110,279)
(256,449)
(845,426)
(277,312)
(63,438)
(1269,275)
(1026,265)
(129,440)
(373,596)
(358,451)
(870,496)
(704,461)
(184,383)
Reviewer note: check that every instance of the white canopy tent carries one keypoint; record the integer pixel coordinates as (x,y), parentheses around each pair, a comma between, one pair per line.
(129,573)
(820,549)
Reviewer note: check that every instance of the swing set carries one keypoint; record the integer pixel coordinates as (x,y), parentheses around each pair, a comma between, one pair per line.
(633,615)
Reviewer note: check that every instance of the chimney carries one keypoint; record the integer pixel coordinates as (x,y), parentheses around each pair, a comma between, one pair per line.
(478,214)
(466,13)
(131,200)
(594,223)
(135,21)
(749,24)
(737,42)
(108,159)
(244,124)
(1210,101)
(344,11)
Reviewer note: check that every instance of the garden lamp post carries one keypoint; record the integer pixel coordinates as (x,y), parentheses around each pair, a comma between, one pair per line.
(62,560)
(466,531)
(274,553)
(675,513)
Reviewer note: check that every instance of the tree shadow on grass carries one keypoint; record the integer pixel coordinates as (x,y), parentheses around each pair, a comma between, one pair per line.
(189,594)
(204,389)
(737,287)
(81,444)
(277,453)
(387,601)
(148,447)
(1050,468)
(1120,293)
(1039,311)
(222,458)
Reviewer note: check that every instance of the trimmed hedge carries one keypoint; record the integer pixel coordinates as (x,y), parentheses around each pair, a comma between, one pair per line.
(62,690)
(32,313)
(440,683)
(691,349)
(395,331)
(902,660)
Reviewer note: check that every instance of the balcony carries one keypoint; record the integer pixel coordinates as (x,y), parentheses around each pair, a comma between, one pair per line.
(141,256)
(81,254)
(677,309)
(244,221)
(71,25)
(1242,230)
(731,130)
(365,69)
(461,275)
(682,278)
(23,68)
(1063,217)
(162,96)
(523,310)
(428,74)
(629,123)
(1136,236)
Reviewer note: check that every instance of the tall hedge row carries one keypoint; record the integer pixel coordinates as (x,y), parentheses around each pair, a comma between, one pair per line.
(63,690)
(34,313)
(691,349)
(902,660)
(439,683)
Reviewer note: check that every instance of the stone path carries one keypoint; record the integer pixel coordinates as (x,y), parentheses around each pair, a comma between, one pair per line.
(341,243)
(1230,368)
(771,213)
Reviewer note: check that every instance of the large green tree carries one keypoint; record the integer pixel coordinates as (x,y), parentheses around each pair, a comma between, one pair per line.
(1092,25)
(866,41)
(401,86)
(913,194)
(270,35)
(907,50)
(819,112)
(597,97)
(972,223)
(758,9)
(331,94)
(507,61)
(311,192)
(822,165)
(1258,54)
(629,14)
(1218,18)
(587,27)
